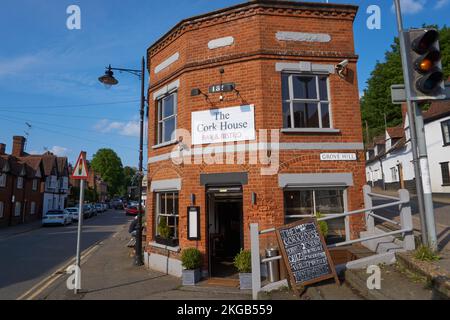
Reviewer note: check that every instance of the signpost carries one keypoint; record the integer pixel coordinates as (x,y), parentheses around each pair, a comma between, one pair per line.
(305,254)
(80,172)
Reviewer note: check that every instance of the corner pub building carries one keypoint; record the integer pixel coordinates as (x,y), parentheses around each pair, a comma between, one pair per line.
(251,120)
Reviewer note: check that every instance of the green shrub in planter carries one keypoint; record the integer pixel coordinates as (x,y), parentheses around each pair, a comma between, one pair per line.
(243,261)
(323,225)
(191,259)
(163,229)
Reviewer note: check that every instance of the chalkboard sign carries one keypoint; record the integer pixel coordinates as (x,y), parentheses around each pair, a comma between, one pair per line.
(305,253)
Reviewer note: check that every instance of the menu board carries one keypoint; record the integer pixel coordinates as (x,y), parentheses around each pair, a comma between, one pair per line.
(305,253)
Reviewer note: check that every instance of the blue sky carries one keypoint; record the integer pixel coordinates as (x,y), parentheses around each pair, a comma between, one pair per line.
(48,74)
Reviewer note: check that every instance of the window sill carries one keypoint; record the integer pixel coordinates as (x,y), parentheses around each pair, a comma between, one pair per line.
(161,246)
(310,130)
(165,144)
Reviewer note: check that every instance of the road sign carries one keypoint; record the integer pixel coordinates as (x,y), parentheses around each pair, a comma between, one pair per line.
(80,172)
(398,93)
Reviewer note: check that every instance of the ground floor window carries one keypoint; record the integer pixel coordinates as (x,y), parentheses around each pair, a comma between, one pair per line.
(2,208)
(167,215)
(17,209)
(301,203)
(445,174)
(33,208)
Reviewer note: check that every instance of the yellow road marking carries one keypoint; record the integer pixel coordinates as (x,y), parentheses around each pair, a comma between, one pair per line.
(45,283)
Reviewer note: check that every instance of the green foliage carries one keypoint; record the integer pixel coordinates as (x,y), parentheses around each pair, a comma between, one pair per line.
(323,225)
(243,261)
(191,259)
(376,102)
(163,229)
(424,253)
(108,165)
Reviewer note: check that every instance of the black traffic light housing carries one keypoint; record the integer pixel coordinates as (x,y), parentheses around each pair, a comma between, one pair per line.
(424,63)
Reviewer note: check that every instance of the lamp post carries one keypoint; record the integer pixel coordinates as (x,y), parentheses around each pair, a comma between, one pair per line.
(109,80)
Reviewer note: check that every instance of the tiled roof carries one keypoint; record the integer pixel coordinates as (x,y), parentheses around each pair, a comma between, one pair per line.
(438,109)
(396,132)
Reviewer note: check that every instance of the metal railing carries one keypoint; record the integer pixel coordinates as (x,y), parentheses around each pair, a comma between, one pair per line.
(406,230)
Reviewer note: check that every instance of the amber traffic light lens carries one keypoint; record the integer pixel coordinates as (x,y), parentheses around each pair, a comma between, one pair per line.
(428,62)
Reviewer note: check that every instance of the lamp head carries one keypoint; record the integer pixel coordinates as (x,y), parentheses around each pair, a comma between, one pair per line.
(108,79)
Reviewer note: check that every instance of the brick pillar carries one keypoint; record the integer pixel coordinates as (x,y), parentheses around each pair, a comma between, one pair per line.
(2,148)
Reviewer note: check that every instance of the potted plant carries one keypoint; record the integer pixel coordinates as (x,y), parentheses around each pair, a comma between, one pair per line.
(323,225)
(243,262)
(164,237)
(191,260)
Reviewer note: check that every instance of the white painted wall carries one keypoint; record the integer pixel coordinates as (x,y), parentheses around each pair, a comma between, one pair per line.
(437,153)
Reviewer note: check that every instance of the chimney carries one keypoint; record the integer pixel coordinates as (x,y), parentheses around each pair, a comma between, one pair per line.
(18,146)
(2,148)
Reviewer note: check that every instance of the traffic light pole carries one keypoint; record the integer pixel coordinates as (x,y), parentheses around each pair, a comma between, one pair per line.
(426,179)
(412,127)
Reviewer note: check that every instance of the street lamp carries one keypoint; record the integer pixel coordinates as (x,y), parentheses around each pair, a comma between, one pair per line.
(108,80)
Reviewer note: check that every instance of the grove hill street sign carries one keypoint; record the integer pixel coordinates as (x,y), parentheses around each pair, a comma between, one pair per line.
(338,157)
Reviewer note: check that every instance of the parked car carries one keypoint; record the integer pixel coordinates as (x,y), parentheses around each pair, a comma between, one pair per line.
(62,217)
(93,210)
(74,213)
(87,211)
(117,204)
(132,211)
(99,207)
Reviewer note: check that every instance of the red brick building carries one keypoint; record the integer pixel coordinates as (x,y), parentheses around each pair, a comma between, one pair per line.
(30,184)
(252,119)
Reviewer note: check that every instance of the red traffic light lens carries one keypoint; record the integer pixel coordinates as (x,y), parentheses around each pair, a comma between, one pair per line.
(422,44)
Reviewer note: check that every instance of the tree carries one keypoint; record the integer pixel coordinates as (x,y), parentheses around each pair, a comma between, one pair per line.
(108,165)
(376,102)
(129,174)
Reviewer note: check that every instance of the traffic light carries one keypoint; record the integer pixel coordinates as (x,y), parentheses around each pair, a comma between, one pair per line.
(424,63)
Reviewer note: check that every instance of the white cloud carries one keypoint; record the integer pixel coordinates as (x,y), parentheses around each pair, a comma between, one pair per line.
(16,65)
(441,3)
(129,129)
(59,151)
(412,6)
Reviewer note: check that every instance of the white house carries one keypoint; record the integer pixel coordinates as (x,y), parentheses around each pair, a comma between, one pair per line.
(392,168)
(56,182)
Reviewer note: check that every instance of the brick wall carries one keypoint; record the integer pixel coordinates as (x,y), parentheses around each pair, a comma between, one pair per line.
(250,63)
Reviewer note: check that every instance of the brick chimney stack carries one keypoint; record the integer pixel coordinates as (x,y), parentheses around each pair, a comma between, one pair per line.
(2,148)
(18,146)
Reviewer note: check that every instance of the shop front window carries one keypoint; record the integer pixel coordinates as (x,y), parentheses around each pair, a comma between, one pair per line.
(167,218)
(302,203)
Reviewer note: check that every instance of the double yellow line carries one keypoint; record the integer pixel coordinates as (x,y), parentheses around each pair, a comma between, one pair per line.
(37,289)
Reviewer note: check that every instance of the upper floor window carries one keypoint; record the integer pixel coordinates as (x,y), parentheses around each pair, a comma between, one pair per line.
(2,179)
(19,183)
(35,184)
(446,132)
(306,102)
(167,118)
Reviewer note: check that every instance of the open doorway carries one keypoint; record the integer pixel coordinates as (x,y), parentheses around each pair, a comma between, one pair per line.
(225,230)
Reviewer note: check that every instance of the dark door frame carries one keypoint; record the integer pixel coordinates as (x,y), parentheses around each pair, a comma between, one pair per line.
(211,191)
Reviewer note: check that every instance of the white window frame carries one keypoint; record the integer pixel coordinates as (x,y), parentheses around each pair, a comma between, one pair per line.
(33,208)
(167,215)
(2,180)
(160,139)
(318,101)
(445,125)
(17,209)
(394,175)
(19,184)
(2,209)
(35,185)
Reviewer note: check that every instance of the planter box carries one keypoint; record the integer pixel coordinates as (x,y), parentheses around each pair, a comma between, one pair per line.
(245,281)
(166,242)
(191,277)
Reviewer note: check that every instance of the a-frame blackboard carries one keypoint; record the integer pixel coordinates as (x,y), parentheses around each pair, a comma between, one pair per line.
(305,254)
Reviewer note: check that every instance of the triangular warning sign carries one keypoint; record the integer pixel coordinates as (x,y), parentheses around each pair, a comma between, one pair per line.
(80,172)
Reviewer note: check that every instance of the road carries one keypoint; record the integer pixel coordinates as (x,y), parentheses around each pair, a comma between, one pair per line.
(30,257)
(441,215)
